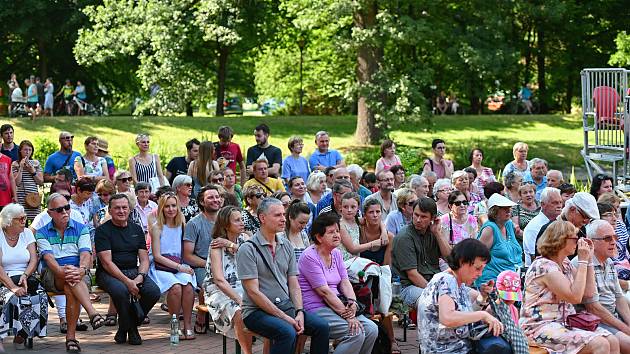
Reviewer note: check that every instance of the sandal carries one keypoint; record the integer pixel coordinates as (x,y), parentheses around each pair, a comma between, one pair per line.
(146,321)
(95,297)
(81,326)
(203,326)
(189,335)
(394,348)
(72,346)
(110,320)
(97,321)
(164,307)
(63,328)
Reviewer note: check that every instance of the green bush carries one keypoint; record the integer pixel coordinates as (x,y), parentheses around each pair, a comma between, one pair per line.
(44,148)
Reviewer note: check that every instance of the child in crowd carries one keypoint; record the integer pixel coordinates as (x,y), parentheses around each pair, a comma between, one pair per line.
(509,291)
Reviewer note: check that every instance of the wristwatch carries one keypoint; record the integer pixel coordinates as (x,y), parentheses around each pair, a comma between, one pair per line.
(144,276)
(298,311)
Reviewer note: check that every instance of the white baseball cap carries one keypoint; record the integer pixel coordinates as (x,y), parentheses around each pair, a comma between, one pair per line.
(498,200)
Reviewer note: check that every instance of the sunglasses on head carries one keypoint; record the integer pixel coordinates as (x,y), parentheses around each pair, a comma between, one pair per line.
(125,179)
(61,208)
(460,202)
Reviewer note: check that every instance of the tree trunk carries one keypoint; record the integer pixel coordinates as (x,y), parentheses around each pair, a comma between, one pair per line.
(368,58)
(221,74)
(540,61)
(189,109)
(43,58)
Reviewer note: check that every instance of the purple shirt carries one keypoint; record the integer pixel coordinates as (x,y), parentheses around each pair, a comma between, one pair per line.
(314,274)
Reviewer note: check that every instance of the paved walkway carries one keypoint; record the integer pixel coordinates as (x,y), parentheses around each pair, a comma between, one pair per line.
(155,338)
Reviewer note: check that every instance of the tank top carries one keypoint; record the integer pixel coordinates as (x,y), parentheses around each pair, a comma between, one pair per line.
(145,172)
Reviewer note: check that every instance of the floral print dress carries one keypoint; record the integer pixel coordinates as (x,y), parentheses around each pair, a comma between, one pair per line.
(435,337)
(221,307)
(542,314)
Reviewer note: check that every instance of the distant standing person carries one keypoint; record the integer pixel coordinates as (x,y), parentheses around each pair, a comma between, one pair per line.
(388,157)
(324,156)
(49,100)
(179,165)
(40,91)
(228,154)
(520,165)
(526,97)
(263,150)
(145,166)
(438,164)
(294,164)
(32,98)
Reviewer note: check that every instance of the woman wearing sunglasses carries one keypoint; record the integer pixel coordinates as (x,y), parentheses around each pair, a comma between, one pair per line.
(458,225)
(253,194)
(183,186)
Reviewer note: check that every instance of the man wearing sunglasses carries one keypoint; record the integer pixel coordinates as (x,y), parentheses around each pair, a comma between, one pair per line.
(65,248)
(608,302)
(64,158)
(579,211)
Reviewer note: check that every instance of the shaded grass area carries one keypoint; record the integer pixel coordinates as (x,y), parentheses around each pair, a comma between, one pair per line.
(557,138)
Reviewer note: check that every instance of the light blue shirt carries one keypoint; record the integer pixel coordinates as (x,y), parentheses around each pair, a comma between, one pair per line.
(539,187)
(295,167)
(329,158)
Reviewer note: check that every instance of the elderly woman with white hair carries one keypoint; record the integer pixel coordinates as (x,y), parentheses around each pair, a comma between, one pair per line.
(183,185)
(441,189)
(315,187)
(356,172)
(420,185)
(18,285)
(461,182)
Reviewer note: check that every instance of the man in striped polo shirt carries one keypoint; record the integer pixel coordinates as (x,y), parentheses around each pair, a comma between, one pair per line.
(65,247)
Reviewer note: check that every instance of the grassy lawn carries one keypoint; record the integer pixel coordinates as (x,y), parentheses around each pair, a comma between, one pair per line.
(556,138)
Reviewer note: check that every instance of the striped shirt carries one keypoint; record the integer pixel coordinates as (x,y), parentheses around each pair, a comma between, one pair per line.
(66,250)
(145,172)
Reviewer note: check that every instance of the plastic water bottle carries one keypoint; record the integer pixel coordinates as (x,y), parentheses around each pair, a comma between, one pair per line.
(396,286)
(174,330)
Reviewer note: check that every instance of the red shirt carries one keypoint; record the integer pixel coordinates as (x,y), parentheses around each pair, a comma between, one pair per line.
(6,195)
(232,153)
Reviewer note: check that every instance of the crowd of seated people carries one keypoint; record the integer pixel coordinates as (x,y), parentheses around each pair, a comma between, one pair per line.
(271,253)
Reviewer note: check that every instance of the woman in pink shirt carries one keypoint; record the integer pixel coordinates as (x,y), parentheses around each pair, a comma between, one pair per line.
(327,291)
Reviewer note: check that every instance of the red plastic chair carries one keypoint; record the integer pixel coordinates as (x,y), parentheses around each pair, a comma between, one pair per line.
(606,100)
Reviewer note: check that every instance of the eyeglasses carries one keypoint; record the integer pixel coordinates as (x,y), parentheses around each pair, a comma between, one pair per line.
(460,202)
(187,184)
(125,179)
(20,218)
(607,238)
(61,208)
(67,137)
(259,195)
(218,180)
(410,204)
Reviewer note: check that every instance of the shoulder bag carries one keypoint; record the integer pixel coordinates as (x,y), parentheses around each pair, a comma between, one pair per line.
(286,305)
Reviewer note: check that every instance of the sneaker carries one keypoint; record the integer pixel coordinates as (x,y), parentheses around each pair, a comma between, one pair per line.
(134,337)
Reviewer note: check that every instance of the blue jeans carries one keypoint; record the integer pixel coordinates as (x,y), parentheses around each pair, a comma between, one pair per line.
(283,336)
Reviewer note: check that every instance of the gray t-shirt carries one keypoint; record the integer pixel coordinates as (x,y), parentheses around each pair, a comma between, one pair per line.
(392,206)
(251,266)
(199,232)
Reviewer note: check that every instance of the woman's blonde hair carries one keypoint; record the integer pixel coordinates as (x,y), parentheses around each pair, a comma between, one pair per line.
(161,220)
(555,238)
(519,145)
(609,198)
(403,196)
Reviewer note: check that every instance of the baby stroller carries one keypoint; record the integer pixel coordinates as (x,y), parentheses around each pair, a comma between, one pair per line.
(18,107)
(85,108)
